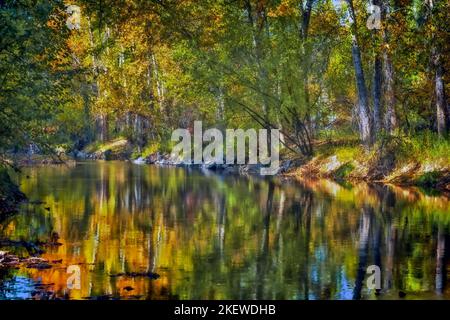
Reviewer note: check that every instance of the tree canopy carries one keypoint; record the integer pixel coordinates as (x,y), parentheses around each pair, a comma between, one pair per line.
(314,69)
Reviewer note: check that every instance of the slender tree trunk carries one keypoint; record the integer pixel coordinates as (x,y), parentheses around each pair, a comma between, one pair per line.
(220,112)
(390,118)
(442,110)
(305,62)
(365,125)
(364,116)
(377,84)
(103,126)
(256,26)
(160,89)
(102,117)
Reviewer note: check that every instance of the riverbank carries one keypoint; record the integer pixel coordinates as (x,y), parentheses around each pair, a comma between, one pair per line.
(422,162)
(411,173)
(10,195)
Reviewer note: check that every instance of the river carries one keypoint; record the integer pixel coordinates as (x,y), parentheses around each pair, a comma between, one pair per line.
(210,236)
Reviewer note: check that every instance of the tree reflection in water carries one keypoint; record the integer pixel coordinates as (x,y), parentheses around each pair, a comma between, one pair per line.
(228,237)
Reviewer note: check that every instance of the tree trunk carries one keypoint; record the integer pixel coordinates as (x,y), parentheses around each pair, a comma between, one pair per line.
(365,125)
(390,119)
(103,127)
(305,61)
(159,86)
(256,27)
(442,111)
(365,119)
(220,112)
(377,83)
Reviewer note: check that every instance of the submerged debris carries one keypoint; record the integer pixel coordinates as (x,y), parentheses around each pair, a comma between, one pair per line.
(9,260)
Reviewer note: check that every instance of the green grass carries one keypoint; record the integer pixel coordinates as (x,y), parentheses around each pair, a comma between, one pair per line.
(343,171)
(345,152)
(113,145)
(427,148)
(348,153)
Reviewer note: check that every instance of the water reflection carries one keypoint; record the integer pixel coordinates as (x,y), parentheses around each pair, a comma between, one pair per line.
(226,237)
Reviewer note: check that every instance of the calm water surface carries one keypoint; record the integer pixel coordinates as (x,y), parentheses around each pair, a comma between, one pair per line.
(225,237)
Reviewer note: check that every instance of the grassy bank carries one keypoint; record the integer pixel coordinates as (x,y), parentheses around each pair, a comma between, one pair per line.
(422,161)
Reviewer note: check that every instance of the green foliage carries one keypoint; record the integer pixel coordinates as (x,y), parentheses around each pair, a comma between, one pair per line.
(10,195)
(426,148)
(343,171)
(142,69)
(33,72)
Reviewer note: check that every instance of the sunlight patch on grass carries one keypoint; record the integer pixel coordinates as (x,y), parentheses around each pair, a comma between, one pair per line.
(113,145)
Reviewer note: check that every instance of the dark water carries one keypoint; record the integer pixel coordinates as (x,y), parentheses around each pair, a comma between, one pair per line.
(224,237)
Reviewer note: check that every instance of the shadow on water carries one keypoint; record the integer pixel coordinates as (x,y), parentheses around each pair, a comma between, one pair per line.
(226,237)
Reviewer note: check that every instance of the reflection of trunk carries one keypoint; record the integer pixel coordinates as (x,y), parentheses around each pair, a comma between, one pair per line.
(364,229)
(365,121)
(304,218)
(440,262)
(221,224)
(280,213)
(278,238)
(376,246)
(377,249)
(307,215)
(154,249)
(390,253)
(261,260)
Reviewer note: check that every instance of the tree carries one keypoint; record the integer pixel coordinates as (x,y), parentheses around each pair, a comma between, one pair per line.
(364,115)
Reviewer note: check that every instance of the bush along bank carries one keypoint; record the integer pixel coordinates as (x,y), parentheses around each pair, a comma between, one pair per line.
(395,163)
(10,195)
